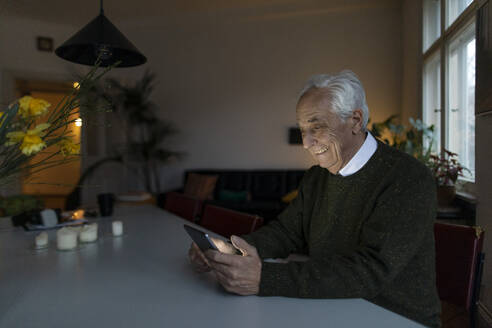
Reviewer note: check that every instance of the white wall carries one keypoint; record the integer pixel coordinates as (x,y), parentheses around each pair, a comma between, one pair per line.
(19,59)
(230,80)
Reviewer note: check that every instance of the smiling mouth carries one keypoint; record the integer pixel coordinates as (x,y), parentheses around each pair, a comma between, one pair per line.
(321,151)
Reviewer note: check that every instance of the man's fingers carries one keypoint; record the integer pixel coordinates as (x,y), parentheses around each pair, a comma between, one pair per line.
(200,254)
(197,259)
(223,246)
(243,246)
(219,257)
(225,270)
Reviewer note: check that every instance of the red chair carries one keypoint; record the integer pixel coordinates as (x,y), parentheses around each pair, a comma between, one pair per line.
(459,264)
(182,205)
(228,222)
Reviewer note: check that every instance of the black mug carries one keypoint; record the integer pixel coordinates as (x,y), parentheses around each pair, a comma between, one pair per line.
(105,204)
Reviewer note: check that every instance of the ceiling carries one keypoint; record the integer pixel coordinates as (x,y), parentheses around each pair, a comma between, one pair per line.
(80,12)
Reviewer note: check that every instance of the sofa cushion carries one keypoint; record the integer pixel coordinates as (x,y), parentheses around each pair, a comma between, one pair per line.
(234,196)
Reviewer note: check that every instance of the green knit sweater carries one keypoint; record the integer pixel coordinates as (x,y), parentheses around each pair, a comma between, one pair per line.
(368,235)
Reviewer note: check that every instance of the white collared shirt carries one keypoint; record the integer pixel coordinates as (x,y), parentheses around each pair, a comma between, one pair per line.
(362,156)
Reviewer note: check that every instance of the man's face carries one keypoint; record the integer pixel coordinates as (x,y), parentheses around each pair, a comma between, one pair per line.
(324,134)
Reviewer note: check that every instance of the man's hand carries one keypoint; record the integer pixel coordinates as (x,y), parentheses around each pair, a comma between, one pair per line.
(237,274)
(197,259)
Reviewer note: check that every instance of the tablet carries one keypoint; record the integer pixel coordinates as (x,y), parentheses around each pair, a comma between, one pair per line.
(200,238)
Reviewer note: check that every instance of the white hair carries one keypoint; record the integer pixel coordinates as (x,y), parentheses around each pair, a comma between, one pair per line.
(345,91)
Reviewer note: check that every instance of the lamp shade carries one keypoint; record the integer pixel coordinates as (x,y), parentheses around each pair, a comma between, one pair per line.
(100,38)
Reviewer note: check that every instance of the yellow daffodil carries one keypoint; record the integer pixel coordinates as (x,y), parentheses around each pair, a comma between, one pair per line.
(31,141)
(32,107)
(67,147)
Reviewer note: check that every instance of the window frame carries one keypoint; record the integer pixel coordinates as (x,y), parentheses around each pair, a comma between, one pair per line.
(441,46)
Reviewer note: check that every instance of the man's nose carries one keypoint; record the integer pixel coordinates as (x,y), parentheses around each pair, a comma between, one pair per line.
(308,141)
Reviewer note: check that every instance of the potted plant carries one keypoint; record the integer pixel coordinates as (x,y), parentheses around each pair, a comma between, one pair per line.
(446,169)
(416,140)
(145,148)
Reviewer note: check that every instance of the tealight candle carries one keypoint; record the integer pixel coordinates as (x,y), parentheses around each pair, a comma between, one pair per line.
(117,228)
(66,239)
(41,240)
(88,234)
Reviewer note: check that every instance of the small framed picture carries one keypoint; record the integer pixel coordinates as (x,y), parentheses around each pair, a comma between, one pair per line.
(44,43)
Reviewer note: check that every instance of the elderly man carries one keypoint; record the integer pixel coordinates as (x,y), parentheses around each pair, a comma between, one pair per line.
(364,217)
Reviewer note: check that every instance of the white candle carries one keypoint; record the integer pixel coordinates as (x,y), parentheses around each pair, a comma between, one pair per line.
(66,239)
(88,234)
(117,228)
(41,240)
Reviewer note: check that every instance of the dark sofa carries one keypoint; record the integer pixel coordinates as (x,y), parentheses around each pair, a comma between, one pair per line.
(265,187)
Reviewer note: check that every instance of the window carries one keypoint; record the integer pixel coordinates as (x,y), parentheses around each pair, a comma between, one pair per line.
(448,78)
(431,96)
(432,22)
(461,98)
(454,8)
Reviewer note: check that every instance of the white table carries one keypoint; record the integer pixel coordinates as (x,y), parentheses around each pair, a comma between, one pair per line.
(143,279)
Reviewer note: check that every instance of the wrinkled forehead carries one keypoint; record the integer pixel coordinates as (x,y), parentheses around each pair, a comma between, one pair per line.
(314,106)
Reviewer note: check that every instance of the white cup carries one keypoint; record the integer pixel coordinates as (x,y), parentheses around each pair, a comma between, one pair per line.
(117,228)
(41,240)
(66,239)
(88,234)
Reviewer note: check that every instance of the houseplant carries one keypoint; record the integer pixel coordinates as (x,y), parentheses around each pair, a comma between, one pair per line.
(144,149)
(446,170)
(418,140)
(146,132)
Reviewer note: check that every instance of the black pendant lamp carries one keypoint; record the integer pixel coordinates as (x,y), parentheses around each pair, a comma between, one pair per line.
(100,38)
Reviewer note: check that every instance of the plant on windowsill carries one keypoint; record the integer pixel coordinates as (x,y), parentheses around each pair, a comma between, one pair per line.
(417,140)
(446,170)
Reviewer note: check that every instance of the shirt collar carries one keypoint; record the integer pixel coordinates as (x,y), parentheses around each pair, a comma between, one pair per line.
(362,156)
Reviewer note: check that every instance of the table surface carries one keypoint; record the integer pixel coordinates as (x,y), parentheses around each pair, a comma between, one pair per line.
(143,279)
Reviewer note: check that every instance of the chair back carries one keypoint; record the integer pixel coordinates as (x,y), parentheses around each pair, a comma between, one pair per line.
(458,254)
(228,222)
(182,205)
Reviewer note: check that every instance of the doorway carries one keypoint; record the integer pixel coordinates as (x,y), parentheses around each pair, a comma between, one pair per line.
(51,185)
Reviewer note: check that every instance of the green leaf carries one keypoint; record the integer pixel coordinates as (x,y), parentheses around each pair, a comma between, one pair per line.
(7,119)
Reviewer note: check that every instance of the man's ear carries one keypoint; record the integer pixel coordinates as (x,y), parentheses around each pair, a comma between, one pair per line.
(357,121)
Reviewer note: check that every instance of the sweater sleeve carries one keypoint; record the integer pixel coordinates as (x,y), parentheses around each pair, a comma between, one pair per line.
(391,236)
(283,236)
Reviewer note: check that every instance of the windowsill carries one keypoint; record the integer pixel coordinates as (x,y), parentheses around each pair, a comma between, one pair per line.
(466,190)
(466,196)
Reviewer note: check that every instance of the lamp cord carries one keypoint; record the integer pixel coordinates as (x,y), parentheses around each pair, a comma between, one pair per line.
(102,10)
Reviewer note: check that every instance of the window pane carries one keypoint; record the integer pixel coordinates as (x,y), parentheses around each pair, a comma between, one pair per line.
(432,97)
(454,8)
(460,112)
(431,21)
